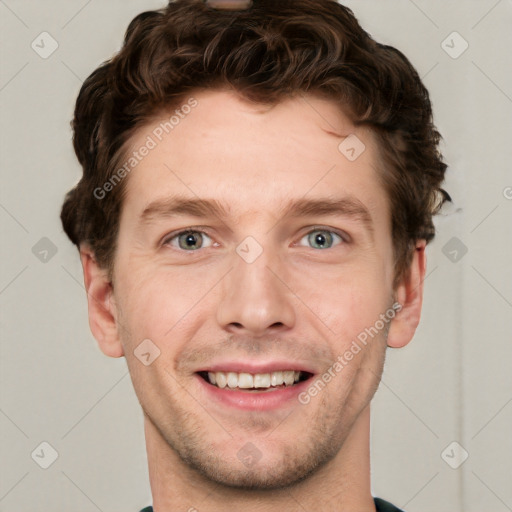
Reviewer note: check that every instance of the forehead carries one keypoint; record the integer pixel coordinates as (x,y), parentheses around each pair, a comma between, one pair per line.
(252,157)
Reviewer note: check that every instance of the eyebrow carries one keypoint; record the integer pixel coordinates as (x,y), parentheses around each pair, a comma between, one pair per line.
(347,206)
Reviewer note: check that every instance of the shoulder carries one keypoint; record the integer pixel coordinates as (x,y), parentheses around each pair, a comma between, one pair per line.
(384,506)
(380,504)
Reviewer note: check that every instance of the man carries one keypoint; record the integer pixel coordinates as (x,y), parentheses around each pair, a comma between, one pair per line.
(258,187)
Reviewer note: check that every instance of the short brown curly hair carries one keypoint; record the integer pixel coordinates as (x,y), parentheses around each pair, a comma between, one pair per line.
(267,52)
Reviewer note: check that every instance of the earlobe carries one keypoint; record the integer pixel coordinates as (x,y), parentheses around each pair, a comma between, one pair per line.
(409,294)
(102,310)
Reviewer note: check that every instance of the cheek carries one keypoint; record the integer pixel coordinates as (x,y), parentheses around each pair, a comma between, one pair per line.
(157,302)
(347,301)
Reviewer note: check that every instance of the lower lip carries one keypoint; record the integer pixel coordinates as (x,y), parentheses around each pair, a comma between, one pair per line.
(252,400)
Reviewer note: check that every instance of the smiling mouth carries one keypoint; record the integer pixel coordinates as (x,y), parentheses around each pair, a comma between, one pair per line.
(251,382)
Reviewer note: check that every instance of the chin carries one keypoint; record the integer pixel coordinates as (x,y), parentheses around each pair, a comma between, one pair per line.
(249,471)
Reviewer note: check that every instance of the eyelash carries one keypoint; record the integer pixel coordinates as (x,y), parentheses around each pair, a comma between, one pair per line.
(198,229)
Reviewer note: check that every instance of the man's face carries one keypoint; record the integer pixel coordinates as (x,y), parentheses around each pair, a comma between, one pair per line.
(253,289)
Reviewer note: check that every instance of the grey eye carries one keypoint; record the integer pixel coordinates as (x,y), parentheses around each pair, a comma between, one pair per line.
(190,240)
(322,238)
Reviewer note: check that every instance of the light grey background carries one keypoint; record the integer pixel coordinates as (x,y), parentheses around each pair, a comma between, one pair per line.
(452,383)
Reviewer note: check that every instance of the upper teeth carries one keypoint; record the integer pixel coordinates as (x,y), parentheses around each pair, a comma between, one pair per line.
(250,380)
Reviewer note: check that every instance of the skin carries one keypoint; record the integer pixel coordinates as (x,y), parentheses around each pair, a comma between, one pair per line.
(295,301)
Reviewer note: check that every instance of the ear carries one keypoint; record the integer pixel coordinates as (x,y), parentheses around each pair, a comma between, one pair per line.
(409,294)
(102,310)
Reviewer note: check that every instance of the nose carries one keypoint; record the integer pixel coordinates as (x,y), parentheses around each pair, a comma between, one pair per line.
(256,300)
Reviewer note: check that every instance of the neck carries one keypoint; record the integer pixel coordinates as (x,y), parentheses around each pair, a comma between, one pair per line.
(342,485)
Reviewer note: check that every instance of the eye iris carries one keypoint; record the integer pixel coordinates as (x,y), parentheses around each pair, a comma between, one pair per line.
(320,239)
(190,240)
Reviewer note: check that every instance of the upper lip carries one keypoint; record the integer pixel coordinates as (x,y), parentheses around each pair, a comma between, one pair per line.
(257,366)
